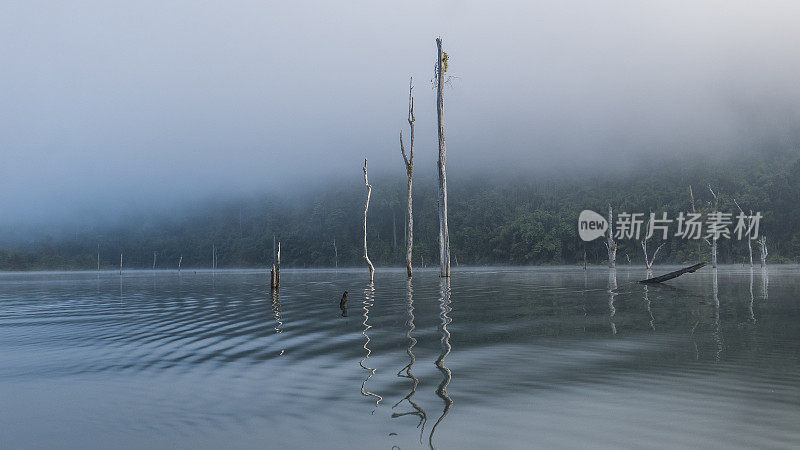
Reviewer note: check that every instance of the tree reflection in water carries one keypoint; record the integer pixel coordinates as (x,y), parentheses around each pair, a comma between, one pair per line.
(441,391)
(369,300)
(412,341)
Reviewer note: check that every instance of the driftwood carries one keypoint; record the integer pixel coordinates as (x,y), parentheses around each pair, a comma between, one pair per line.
(671,275)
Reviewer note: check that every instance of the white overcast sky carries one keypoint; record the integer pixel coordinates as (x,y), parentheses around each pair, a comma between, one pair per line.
(110,102)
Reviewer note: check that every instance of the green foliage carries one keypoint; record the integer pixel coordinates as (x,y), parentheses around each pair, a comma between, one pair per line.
(517,221)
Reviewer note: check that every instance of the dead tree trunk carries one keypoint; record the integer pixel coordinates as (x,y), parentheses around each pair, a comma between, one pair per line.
(444,235)
(649,261)
(180,260)
(409,161)
(366,208)
(98,257)
(611,246)
(275,273)
(154,260)
(763,243)
(714,237)
(335,254)
(120,263)
(749,227)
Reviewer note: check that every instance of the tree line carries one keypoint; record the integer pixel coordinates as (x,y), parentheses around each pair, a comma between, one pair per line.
(511,220)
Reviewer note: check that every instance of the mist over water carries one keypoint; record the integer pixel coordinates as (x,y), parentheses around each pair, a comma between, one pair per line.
(147,106)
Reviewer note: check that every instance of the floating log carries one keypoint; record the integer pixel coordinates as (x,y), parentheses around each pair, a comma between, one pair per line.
(671,275)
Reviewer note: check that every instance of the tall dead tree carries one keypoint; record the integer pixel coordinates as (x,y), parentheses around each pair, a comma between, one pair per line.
(611,246)
(763,243)
(180,260)
(154,260)
(749,227)
(409,161)
(444,234)
(275,273)
(120,263)
(98,257)
(366,208)
(714,238)
(649,261)
(335,254)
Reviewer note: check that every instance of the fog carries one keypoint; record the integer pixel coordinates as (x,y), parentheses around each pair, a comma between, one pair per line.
(110,106)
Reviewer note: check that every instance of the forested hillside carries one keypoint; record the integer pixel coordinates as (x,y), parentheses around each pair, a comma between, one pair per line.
(528,219)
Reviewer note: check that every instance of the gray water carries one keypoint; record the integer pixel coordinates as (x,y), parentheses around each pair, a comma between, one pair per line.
(505,358)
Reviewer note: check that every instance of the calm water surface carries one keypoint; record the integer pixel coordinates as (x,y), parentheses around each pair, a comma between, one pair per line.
(507,358)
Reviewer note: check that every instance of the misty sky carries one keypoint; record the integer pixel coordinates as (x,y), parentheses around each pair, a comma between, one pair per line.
(110,104)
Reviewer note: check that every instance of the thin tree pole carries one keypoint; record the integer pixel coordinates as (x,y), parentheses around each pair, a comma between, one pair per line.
(366,208)
(120,263)
(335,254)
(275,273)
(749,227)
(610,244)
(180,260)
(409,161)
(154,260)
(98,257)
(444,235)
(714,238)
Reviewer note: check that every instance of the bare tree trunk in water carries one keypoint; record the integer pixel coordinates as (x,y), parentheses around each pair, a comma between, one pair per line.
(611,246)
(409,161)
(714,238)
(335,254)
(275,273)
(749,225)
(649,261)
(154,260)
(180,260)
(694,211)
(120,263)
(366,208)
(763,243)
(444,235)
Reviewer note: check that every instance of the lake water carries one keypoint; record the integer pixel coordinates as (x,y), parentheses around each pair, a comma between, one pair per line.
(504,358)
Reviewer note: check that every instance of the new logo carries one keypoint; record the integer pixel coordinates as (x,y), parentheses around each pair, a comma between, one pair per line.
(591,225)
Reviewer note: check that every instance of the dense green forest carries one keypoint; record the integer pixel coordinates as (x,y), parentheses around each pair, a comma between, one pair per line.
(494,219)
